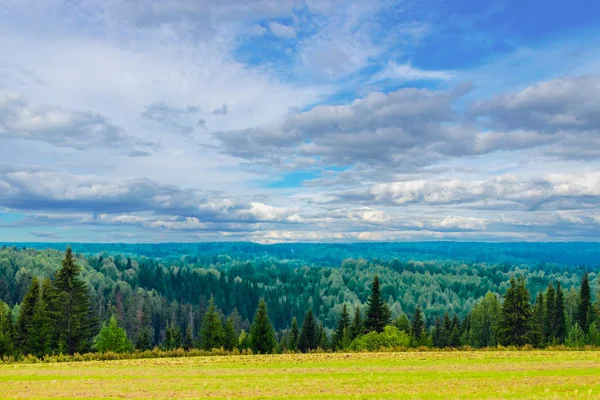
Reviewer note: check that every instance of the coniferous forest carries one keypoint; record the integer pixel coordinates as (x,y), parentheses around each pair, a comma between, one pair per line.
(266,299)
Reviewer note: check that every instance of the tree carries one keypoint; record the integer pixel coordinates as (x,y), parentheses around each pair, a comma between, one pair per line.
(229,336)
(536,333)
(309,335)
(144,341)
(516,314)
(485,319)
(402,323)
(188,343)
(262,335)
(418,326)
(560,323)
(172,337)
(5,292)
(576,337)
(585,304)
(323,339)
(378,313)
(211,333)
(26,313)
(112,338)
(294,335)
(357,326)
(550,315)
(6,330)
(341,337)
(75,329)
(39,340)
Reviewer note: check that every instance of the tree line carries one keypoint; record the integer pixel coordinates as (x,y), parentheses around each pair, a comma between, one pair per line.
(58,316)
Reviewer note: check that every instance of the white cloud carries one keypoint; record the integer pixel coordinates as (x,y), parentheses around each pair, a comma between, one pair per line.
(282,31)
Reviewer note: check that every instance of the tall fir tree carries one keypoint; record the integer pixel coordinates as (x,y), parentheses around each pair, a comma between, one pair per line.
(585,304)
(6,330)
(550,315)
(188,342)
(309,335)
(560,323)
(418,326)
(229,336)
(77,321)
(536,334)
(262,335)
(516,314)
(211,333)
(26,313)
(341,337)
(40,336)
(356,328)
(294,335)
(323,338)
(378,313)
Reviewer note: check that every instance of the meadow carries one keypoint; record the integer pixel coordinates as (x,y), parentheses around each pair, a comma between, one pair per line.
(411,375)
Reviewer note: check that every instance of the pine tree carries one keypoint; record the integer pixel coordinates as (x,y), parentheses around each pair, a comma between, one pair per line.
(309,335)
(455,333)
(230,338)
(39,339)
(585,304)
(6,330)
(516,314)
(437,333)
(550,315)
(560,323)
(323,339)
(294,335)
(356,328)
(26,313)
(188,343)
(211,333)
(446,340)
(262,335)
(536,334)
(112,338)
(341,338)
(378,313)
(418,326)
(144,341)
(76,325)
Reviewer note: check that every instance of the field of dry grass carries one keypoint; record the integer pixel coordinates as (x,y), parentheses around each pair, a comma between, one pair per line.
(439,375)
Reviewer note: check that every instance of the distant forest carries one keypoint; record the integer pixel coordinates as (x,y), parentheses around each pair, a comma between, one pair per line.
(162,293)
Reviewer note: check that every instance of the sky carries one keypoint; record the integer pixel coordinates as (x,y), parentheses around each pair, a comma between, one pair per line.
(299,121)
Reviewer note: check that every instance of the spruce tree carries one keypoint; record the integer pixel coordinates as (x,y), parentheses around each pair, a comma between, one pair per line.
(516,314)
(536,335)
(341,338)
(77,322)
(560,323)
(262,335)
(550,315)
(378,313)
(39,339)
(144,341)
(309,335)
(211,333)
(188,343)
(418,326)
(356,328)
(294,335)
(6,330)
(585,304)
(230,338)
(323,339)
(26,312)
(437,333)
(5,292)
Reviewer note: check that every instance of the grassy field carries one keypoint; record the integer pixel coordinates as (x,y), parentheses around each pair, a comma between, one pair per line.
(429,375)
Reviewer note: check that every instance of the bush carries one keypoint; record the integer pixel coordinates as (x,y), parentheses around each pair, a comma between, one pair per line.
(391,337)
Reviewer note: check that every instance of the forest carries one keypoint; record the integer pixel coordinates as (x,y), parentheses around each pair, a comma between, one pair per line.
(300,297)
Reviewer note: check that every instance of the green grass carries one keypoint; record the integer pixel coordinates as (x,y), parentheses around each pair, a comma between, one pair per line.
(428,375)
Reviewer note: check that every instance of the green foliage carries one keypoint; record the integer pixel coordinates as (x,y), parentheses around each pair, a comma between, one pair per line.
(294,335)
(550,331)
(402,323)
(76,327)
(378,313)
(211,333)
(6,331)
(584,310)
(39,339)
(356,329)
(26,313)
(575,337)
(560,323)
(484,323)
(516,314)
(173,339)
(593,335)
(188,342)
(341,337)
(391,337)
(536,333)
(230,338)
(144,341)
(310,336)
(417,327)
(262,336)
(112,338)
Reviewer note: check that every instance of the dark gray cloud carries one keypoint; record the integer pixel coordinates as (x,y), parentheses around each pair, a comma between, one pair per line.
(220,110)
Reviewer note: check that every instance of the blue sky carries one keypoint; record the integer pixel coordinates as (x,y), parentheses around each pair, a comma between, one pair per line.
(182,120)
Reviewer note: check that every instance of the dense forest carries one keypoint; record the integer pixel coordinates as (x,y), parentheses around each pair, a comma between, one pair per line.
(209,295)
